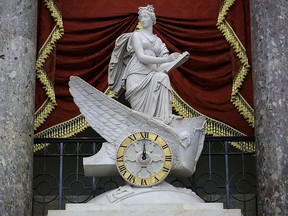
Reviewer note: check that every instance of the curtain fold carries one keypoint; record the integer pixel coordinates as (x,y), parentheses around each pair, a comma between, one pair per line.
(216,80)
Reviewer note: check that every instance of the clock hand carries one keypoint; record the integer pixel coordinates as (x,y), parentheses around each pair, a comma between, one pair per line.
(144,157)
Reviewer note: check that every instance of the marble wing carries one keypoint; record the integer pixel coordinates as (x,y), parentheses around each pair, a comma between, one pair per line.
(113,120)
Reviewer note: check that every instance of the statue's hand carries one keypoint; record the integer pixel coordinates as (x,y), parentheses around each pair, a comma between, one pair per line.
(173,56)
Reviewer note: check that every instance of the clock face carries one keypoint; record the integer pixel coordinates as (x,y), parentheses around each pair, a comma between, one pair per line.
(144,159)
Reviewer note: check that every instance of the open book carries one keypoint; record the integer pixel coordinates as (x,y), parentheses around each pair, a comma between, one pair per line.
(167,67)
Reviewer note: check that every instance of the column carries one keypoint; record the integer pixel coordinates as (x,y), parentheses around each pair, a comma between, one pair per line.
(270,73)
(17,82)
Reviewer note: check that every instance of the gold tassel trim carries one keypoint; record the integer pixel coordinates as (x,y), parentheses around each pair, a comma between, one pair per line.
(237,100)
(45,51)
(47,107)
(63,130)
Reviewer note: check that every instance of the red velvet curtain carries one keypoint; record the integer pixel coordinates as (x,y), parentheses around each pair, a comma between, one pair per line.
(204,82)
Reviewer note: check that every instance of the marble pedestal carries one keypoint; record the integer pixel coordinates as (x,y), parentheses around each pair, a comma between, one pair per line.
(197,209)
(163,199)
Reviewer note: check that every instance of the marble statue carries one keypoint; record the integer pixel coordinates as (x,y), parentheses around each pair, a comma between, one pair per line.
(139,65)
(144,143)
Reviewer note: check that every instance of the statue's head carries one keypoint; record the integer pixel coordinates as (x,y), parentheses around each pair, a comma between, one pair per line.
(149,9)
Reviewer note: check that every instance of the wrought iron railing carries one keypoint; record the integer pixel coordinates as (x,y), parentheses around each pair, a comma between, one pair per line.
(224,174)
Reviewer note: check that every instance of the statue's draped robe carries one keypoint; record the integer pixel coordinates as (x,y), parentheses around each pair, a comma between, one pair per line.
(147,90)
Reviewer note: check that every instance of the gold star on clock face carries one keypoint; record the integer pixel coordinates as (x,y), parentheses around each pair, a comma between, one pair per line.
(144,159)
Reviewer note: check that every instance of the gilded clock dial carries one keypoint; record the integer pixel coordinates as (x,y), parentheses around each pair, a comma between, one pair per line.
(144,159)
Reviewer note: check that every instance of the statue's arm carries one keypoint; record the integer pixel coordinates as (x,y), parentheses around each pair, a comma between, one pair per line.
(146,59)
(181,59)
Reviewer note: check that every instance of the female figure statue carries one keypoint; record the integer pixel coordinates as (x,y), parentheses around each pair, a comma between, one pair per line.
(138,65)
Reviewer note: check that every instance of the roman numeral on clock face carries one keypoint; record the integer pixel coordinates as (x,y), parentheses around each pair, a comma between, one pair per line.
(144,135)
(165,169)
(165,146)
(122,168)
(120,159)
(168,158)
(156,137)
(156,179)
(143,182)
(131,178)
(132,137)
